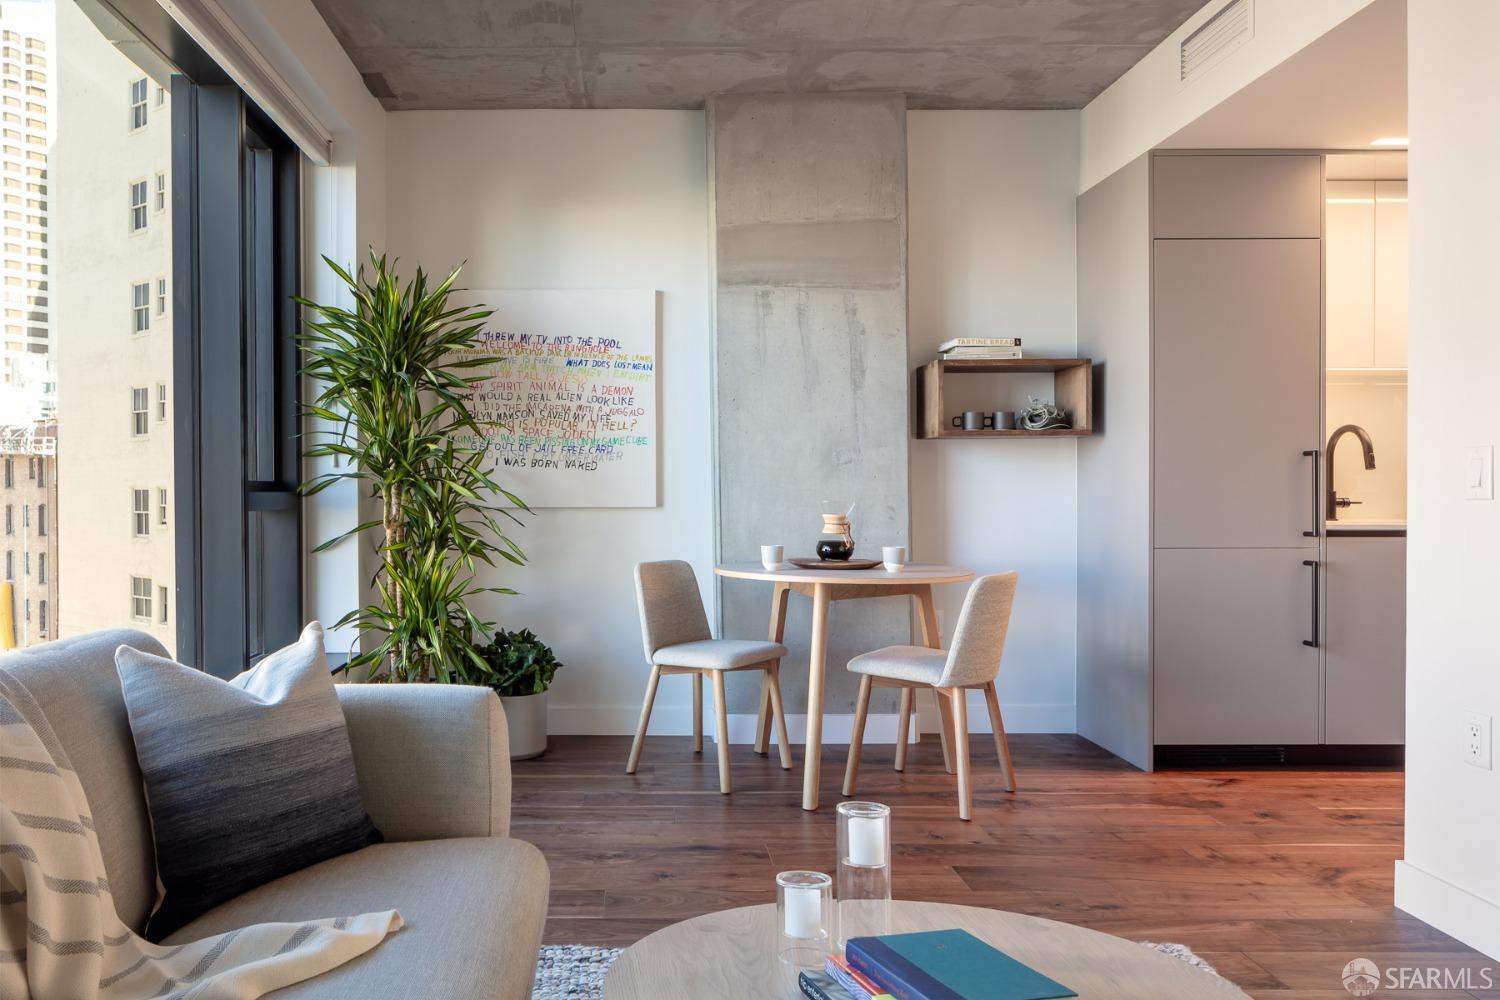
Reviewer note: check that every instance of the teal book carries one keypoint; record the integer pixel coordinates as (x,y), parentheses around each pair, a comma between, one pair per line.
(947,965)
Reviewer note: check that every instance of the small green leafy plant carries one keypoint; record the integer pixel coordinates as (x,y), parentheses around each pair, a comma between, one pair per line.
(519,663)
(395,386)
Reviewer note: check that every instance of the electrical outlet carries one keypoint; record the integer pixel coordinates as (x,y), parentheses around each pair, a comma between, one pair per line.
(1477,740)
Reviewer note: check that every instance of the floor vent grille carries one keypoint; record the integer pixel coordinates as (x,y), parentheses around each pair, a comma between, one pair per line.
(1203,756)
(1215,38)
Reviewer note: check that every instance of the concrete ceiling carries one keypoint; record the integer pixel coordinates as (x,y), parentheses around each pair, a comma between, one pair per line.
(419,54)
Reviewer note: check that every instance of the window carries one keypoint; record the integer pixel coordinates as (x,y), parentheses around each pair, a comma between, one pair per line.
(41,519)
(140,510)
(140,306)
(10,473)
(161,605)
(137,206)
(41,472)
(10,564)
(161,192)
(139,411)
(161,507)
(42,620)
(26,562)
(10,519)
(26,515)
(41,567)
(138,103)
(140,598)
(161,96)
(161,296)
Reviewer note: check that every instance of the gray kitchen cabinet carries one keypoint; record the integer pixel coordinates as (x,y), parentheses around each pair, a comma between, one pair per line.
(1237,375)
(1237,196)
(1231,666)
(1365,655)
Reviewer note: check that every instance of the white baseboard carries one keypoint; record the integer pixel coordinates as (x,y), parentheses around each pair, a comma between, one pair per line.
(677,720)
(1457,912)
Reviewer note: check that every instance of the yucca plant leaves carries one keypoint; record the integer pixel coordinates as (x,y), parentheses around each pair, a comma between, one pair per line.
(391,399)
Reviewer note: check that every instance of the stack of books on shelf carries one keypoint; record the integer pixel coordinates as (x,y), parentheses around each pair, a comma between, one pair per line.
(931,965)
(986,348)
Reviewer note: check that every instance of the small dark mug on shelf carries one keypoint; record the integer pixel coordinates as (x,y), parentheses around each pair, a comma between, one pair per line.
(1004,420)
(973,420)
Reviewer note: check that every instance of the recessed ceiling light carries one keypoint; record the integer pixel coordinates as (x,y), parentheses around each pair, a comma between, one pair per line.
(1391,140)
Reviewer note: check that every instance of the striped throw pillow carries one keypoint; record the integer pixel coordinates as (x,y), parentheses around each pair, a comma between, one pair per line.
(246,780)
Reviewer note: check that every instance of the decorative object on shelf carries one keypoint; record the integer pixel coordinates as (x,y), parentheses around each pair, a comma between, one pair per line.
(992,348)
(893,557)
(851,564)
(864,870)
(772,556)
(973,420)
(1003,420)
(805,921)
(1041,416)
(521,667)
(395,412)
(836,524)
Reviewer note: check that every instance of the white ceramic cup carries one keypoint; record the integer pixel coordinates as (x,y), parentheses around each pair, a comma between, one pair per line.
(894,557)
(771,556)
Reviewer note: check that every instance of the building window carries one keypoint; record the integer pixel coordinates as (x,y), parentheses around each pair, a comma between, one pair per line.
(161,96)
(140,413)
(26,515)
(10,519)
(10,473)
(137,206)
(26,562)
(161,605)
(42,620)
(161,507)
(10,565)
(138,103)
(41,472)
(161,296)
(41,567)
(161,192)
(41,519)
(140,598)
(140,306)
(28,609)
(140,510)
(161,401)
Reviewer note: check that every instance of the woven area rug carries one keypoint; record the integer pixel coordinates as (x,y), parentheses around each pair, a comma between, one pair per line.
(576,971)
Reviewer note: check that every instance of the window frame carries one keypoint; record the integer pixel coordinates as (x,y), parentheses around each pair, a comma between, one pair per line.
(140,216)
(137,584)
(140,411)
(140,512)
(139,117)
(140,307)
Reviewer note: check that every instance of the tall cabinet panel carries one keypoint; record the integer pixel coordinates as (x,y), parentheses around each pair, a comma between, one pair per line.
(1351,274)
(1237,380)
(1390,274)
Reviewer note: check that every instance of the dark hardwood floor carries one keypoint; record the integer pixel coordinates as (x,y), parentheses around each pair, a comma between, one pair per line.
(1278,878)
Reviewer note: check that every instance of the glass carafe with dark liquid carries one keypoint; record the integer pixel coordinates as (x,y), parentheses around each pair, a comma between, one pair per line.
(837,540)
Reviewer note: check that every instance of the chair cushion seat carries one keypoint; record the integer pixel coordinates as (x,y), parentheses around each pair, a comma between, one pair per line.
(718,654)
(902,663)
(473,908)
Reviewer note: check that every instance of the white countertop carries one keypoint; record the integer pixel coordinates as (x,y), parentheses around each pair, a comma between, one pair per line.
(1353,527)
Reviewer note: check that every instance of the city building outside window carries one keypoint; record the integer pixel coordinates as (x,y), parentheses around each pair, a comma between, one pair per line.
(161,507)
(138,103)
(41,472)
(42,619)
(140,598)
(41,567)
(137,206)
(140,306)
(161,401)
(140,509)
(41,519)
(161,296)
(161,192)
(10,473)
(10,519)
(161,605)
(10,564)
(140,415)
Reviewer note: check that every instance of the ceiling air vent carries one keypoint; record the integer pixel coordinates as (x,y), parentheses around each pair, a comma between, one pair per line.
(1215,38)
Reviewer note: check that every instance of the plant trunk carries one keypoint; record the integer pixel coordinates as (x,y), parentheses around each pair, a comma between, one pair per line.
(395,533)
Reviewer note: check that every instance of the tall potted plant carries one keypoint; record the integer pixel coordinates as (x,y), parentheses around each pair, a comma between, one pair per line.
(395,378)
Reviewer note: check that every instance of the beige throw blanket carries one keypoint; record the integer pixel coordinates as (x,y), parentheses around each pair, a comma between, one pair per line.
(59,933)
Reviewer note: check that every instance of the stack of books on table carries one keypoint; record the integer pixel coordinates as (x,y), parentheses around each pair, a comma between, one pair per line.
(986,348)
(931,965)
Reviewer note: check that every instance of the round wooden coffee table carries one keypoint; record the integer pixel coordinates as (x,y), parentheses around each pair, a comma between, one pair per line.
(729,956)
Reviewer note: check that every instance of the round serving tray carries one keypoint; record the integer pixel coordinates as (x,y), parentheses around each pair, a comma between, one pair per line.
(835,563)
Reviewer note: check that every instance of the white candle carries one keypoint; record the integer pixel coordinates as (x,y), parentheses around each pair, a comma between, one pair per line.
(867,841)
(804,911)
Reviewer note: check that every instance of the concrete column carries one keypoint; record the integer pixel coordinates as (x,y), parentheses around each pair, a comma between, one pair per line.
(808,199)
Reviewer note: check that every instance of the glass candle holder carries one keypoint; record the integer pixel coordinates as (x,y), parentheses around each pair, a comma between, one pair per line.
(805,920)
(864,871)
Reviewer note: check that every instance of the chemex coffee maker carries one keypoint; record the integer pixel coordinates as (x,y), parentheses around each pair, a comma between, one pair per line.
(837,541)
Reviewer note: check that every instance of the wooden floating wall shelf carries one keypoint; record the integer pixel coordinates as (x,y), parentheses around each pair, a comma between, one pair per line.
(1073,390)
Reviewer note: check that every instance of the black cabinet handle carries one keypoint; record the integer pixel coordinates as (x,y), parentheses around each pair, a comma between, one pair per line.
(1313,642)
(1316,500)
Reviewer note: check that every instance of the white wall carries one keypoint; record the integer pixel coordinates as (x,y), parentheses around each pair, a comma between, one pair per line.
(1141,109)
(583,199)
(1450,877)
(991,253)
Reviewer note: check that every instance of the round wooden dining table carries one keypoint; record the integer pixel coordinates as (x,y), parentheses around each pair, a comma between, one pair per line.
(824,586)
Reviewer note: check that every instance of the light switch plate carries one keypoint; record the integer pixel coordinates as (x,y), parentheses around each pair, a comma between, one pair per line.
(1479,472)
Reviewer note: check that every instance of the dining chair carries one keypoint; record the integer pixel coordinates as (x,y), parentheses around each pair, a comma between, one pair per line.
(675,631)
(972,662)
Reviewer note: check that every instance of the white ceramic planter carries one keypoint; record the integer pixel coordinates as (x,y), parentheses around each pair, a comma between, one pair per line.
(526,719)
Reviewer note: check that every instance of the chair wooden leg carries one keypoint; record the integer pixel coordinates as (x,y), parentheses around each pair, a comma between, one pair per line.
(763,721)
(698,713)
(945,727)
(958,699)
(776,633)
(721,734)
(640,729)
(783,742)
(1002,745)
(901,728)
(857,738)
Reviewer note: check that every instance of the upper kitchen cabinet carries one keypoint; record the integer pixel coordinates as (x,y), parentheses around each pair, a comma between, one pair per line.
(1238,196)
(1366,273)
